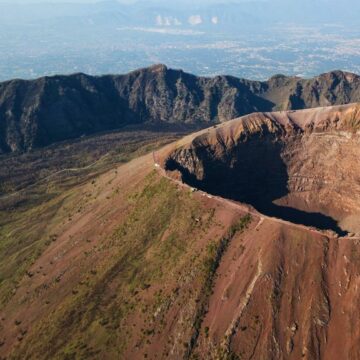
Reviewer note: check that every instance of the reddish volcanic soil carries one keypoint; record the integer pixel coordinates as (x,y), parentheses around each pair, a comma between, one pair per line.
(283,290)
(277,289)
(286,293)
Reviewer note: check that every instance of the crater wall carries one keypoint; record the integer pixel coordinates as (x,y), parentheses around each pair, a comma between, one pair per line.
(301,166)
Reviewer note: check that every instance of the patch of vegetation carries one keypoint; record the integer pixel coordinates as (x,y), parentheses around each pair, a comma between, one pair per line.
(352,121)
(227,355)
(149,248)
(28,216)
(24,236)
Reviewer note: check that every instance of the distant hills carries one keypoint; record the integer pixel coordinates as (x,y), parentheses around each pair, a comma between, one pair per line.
(40,112)
(231,14)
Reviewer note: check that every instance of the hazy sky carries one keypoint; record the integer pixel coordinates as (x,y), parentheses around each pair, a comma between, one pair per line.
(49,1)
(54,1)
(62,1)
(121,1)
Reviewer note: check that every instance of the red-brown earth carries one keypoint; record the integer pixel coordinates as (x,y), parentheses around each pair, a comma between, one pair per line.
(140,265)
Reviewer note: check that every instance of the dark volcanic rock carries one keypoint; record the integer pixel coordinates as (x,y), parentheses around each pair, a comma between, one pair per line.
(39,112)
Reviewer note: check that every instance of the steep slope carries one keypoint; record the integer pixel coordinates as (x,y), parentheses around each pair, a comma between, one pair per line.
(40,112)
(124,272)
(139,265)
(284,293)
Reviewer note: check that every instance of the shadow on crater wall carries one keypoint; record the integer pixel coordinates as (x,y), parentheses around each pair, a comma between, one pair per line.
(252,173)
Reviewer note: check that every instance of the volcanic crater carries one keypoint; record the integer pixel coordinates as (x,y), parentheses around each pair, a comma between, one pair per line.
(300,166)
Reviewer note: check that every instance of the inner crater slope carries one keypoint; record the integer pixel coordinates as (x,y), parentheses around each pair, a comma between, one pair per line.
(300,166)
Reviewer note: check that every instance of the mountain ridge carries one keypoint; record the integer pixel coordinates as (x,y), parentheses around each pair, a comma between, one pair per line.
(37,113)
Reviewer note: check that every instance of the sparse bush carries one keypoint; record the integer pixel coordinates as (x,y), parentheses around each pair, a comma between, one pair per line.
(206,330)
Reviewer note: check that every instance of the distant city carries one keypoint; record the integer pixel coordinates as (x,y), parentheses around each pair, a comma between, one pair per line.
(112,38)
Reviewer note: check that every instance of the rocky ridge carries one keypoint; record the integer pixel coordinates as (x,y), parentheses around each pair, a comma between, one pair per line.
(40,112)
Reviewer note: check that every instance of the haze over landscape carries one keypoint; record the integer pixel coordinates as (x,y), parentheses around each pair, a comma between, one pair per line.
(253,39)
(179,180)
